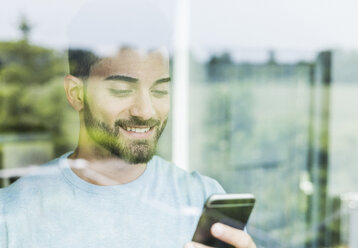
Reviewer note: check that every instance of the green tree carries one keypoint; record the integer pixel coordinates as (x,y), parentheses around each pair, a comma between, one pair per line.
(25,28)
(31,91)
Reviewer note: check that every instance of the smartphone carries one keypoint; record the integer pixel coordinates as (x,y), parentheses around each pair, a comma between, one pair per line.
(230,209)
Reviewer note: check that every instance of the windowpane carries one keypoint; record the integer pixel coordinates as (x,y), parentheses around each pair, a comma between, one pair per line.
(271,100)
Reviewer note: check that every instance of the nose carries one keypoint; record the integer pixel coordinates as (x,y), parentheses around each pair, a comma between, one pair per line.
(142,107)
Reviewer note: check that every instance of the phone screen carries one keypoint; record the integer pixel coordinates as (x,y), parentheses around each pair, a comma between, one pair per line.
(230,209)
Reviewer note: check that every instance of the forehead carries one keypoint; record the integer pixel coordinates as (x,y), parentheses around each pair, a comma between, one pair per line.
(133,62)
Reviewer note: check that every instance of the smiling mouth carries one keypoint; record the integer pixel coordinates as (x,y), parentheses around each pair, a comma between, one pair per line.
(137,129)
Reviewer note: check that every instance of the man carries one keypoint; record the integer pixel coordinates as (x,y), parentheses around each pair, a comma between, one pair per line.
(111,191)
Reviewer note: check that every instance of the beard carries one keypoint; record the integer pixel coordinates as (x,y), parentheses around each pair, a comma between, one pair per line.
(132,151)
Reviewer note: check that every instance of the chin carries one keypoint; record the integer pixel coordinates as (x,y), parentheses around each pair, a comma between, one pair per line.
(137,154)
(139,159)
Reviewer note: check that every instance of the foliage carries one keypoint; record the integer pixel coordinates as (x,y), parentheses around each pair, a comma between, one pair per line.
(31,91)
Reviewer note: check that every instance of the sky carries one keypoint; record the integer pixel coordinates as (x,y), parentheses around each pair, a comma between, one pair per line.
(295,29)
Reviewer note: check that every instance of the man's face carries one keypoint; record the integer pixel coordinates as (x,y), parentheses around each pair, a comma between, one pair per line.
(127,103)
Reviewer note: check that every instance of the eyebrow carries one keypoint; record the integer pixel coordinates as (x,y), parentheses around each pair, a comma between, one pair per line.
(162,80)
(134,80)
(122,78)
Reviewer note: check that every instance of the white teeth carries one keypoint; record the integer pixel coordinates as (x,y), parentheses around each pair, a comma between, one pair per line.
(137,130)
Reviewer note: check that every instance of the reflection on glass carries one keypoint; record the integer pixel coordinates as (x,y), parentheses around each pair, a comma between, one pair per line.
(284,131)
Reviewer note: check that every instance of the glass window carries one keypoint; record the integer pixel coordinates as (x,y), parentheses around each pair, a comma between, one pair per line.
(263,99)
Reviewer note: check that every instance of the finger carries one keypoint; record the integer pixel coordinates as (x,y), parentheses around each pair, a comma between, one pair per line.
(232,236)
(196,245)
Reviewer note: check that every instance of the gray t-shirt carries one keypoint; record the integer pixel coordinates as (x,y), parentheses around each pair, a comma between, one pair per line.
(55,208)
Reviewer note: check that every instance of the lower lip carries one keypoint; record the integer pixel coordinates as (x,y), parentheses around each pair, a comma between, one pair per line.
(136,135)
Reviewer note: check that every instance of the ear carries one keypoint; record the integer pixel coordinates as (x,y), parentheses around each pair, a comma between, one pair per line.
(74,92)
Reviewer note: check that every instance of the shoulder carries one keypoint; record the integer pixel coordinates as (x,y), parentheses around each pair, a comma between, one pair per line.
(3,228)
(192,183)
(36,179)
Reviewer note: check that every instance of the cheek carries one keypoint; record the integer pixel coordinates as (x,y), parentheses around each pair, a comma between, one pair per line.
(162,107)
(106,107)
(113,108)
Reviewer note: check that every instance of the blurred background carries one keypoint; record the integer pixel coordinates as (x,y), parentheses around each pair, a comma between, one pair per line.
(268,95)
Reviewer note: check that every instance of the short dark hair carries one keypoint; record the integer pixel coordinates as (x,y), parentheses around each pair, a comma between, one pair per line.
(80,62)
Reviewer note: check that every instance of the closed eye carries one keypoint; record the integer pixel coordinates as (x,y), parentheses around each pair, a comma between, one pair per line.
(160,92)
(120,93)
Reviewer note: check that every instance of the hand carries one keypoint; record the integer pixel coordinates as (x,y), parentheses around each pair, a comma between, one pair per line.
(230,235)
